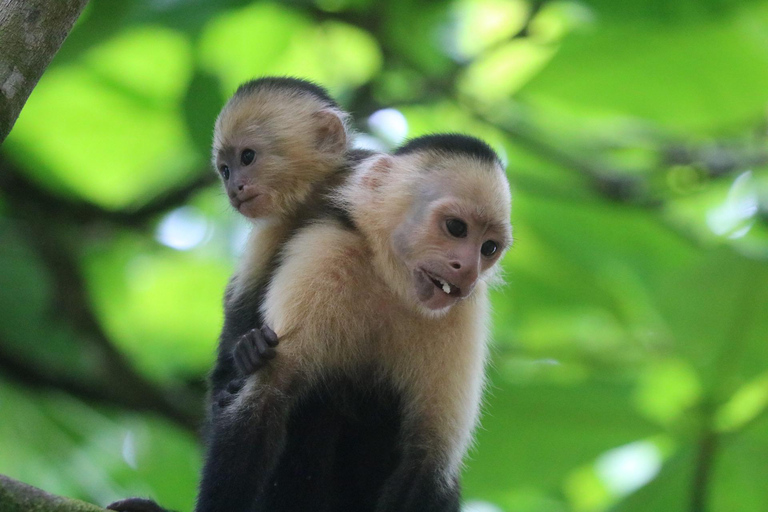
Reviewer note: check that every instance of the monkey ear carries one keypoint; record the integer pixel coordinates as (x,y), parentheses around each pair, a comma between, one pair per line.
(376,173)
(331,134)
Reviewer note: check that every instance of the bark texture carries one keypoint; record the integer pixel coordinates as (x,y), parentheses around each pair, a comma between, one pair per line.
(31,32)
(18,497)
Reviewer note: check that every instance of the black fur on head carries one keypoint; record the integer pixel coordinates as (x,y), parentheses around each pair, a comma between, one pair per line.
(286,83)
(451,143)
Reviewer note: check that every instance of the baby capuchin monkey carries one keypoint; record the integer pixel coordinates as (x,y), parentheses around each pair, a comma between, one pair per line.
(279,144)
(383,317)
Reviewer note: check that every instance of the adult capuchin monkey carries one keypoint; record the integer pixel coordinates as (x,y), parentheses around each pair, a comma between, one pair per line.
(371,403)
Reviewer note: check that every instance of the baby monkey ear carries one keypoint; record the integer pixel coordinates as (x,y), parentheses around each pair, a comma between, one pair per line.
(330,132)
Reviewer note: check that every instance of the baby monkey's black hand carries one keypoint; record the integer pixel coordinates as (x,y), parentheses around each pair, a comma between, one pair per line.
(136,505)
(254,349)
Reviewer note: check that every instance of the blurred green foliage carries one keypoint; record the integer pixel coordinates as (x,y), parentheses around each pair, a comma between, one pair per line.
(630,354)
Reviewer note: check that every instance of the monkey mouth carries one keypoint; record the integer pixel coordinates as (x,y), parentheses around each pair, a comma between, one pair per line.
(246,199)
(249,205)
(444,286)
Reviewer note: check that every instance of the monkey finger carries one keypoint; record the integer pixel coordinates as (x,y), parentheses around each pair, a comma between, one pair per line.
(249,346)
(245,358)
(260,343)
(240,366)
(252,360)
(269,335)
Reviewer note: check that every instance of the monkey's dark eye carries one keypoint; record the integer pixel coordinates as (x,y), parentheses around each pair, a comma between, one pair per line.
(488,248)
(225,172)
(247,156)
(456,228)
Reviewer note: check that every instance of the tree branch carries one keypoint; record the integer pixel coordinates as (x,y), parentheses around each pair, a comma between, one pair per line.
(703,471)
(18,497)
(28,194)
(109,392)
(31,32)
(121,382)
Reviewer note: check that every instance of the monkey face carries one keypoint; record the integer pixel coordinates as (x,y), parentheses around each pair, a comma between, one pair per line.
(241,168)
(270,146)
(451,238)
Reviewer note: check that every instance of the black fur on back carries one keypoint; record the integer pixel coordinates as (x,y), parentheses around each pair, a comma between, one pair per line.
(286,83)
(341,448)
(451,143)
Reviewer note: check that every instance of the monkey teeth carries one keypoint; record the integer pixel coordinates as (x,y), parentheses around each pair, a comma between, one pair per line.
(444,285)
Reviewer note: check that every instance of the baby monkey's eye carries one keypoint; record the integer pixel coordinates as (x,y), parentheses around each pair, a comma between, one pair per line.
(456,228)
(247,156)
(225,172)
(488,248)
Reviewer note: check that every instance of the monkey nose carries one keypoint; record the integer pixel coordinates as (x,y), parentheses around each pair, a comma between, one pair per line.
(464,273)
(236,189)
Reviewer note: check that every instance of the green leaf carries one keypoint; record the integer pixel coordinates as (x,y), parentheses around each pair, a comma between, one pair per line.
(699,76)
(534,436)
(108,128)
(150,296)
(202,103)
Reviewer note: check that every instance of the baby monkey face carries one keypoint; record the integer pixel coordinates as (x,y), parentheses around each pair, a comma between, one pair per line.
(271,146)
(242,170)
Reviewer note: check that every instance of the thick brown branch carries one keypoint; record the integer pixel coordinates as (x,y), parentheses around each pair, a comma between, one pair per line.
(31,32)
(18,497)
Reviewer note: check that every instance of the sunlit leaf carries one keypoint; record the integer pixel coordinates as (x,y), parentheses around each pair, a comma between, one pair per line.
(242,44)
(65,447)
(667,389)
(482,23)
(118,137)
(163,299)
(700,76)
(503,72)
(745,405)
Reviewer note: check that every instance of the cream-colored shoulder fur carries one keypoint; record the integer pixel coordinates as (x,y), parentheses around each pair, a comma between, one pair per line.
(332,310)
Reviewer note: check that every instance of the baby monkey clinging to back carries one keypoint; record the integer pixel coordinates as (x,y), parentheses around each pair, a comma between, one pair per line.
(279,145)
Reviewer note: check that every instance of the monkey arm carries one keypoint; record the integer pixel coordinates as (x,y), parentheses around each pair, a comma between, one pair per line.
(439,413)
(245,345)
(251,353)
